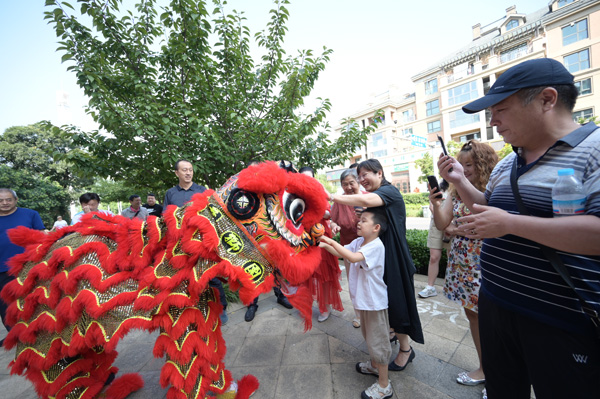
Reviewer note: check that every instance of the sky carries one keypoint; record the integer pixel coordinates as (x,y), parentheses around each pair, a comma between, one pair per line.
(376,44)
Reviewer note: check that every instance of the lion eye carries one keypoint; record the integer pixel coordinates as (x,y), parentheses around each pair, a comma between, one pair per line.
(294,208)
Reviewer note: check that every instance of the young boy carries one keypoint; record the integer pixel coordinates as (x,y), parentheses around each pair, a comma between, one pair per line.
(368,292)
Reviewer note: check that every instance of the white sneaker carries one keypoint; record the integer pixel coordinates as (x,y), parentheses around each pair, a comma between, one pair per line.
(377,392)
(427,292)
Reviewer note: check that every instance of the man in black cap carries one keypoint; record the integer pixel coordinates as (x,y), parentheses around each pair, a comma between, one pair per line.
(533,329)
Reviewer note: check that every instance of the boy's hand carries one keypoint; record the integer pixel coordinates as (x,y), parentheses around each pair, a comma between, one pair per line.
(325,239)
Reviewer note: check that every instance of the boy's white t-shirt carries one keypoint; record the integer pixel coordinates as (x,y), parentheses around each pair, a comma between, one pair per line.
(365,278)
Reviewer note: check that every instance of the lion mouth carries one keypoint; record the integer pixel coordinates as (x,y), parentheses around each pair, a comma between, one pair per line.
(279,216)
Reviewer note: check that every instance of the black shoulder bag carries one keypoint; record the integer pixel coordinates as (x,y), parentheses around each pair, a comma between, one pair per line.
(552,256)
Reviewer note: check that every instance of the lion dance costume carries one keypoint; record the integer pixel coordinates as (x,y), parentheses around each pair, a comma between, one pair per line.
(80,289)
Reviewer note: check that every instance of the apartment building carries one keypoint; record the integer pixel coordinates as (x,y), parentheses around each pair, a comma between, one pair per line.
(566,30)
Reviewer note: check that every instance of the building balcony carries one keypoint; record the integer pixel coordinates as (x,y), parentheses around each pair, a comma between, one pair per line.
(512,55)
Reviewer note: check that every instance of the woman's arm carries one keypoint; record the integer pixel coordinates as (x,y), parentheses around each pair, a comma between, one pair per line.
(364,200)
(442,213)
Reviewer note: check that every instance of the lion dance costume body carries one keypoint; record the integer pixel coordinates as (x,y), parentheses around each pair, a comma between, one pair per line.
(80,289)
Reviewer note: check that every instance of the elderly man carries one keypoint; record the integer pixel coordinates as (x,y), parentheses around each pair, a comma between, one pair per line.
(135,209)
(89,203)
(12,216)
(533,330)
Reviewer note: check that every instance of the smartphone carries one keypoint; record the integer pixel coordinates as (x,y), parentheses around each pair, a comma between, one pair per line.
(433,183)
(441,140)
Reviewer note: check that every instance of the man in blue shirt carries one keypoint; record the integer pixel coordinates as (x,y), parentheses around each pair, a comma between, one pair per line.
(182,192)
(10,217)
(179,195)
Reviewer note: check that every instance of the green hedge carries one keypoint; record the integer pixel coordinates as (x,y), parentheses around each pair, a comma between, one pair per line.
(416,198)
(417,243)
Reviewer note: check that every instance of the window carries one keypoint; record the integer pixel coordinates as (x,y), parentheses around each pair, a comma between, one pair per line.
(583,114)
(459,118)
(512,24)
(584,86)
(407,132)
(513,53)
(379,154)
(378,140)
(434,126)
(463,93)
(408,115)
(467,137)
(431,86)
(575,32)
(562,3)
(577,61)
(433,107)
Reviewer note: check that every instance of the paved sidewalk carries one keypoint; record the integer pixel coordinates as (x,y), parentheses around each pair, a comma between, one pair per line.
(318,364)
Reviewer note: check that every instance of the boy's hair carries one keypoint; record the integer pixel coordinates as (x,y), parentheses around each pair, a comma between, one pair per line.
(379,217)
(87,197)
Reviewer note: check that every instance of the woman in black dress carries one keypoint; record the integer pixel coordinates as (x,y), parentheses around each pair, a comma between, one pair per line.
(399,266)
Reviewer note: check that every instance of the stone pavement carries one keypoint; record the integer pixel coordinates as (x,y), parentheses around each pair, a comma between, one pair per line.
(318,364)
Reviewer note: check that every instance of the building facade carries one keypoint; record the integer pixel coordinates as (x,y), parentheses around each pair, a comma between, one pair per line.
(562,29)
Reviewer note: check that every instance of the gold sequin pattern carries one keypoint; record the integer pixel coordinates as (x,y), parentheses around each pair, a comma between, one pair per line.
(249,252)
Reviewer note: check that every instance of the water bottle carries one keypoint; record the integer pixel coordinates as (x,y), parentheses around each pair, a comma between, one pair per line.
(568,197)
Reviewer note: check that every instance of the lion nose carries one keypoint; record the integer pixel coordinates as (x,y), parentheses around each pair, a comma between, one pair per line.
(317,231)
(312,238)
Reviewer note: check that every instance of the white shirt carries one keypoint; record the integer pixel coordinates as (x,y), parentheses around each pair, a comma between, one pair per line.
(365,278)
(60,224)
(79,214)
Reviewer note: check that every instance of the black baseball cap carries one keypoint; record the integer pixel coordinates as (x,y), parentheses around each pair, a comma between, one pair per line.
(532,73)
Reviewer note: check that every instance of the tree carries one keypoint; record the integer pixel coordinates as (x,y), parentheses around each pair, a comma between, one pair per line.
(38,193)
(425,163)
(40,151)
(182,84)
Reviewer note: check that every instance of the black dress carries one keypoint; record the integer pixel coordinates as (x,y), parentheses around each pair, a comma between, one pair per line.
(399,267)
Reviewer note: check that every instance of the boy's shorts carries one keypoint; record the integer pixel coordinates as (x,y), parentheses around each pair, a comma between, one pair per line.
(375,328)
(435,237)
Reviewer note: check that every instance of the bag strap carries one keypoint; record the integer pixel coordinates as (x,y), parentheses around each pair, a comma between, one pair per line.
(551,255)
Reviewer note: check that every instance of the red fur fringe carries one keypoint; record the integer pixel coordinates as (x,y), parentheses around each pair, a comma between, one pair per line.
(296,268)
(302,300)
(124,385)
(247,385)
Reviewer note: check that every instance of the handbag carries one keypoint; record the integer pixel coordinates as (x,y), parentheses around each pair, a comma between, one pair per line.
(551,255)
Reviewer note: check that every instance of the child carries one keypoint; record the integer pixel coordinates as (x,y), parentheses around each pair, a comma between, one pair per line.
(368,292)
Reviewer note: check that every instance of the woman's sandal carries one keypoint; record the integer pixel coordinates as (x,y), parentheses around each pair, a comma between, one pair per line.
(394,367)
(393,338)
(356,323)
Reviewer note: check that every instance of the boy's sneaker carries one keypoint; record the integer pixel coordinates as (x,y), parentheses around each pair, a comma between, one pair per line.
(427,292)
(377,392)
(366,368)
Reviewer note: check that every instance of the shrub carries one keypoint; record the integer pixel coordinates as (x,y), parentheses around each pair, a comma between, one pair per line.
(232,296)
(416,198)
(417,243)
(414,210)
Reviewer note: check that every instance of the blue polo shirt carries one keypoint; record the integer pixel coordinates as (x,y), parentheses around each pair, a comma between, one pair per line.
(516,275)
(179,196)
(20,217)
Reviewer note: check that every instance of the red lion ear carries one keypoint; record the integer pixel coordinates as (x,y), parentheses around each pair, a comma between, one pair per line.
(266,177)
(313,194)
